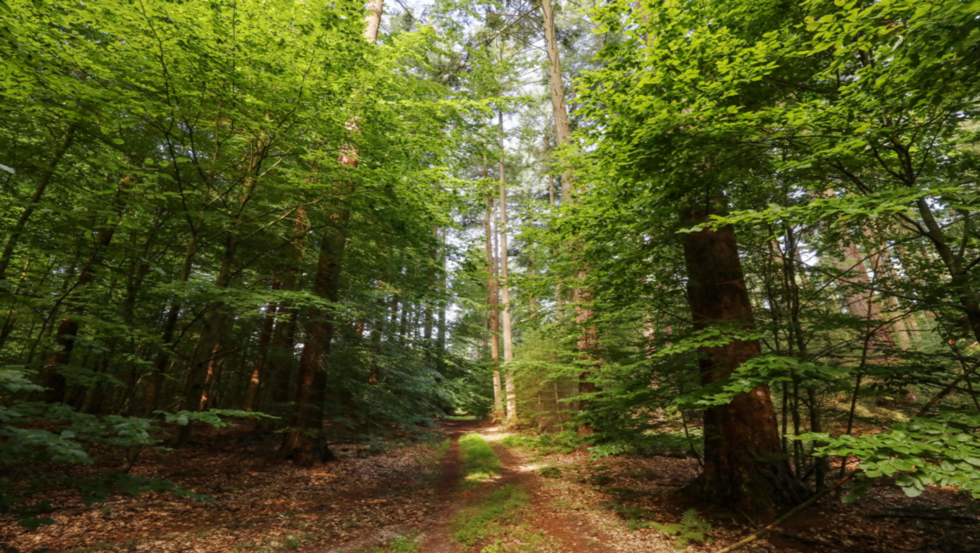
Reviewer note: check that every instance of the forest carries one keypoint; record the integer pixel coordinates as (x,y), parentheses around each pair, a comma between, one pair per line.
(490,276)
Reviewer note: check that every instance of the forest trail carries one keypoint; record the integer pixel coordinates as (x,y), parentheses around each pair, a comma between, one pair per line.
(572,532)
(534,527)
(563,532)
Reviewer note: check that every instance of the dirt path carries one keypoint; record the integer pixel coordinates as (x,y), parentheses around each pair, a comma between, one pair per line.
(437,538)
(573,532)
(568,533)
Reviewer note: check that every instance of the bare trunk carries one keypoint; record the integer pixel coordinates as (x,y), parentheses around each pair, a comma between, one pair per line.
(498,404)
(510,385)
(557,87)
(258,365)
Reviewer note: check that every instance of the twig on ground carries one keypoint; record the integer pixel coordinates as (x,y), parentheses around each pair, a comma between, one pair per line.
(790,515)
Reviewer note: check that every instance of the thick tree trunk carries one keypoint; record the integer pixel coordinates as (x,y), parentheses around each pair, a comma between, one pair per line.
(304,441)
(744,465)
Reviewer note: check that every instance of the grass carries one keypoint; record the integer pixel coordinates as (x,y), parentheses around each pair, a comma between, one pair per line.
(439,450)
(460,417)
(544,444)
(404,544)
(481,463)
(484,520)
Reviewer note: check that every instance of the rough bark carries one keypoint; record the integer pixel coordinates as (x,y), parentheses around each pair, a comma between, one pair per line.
(744,465)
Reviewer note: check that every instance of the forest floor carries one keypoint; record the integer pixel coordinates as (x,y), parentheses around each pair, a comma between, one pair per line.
(443,496)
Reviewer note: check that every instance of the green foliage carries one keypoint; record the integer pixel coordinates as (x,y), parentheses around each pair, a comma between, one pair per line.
(565,441)
(942,450)
(690,529)
(550,472)
(217,418)
(479,461)
(403,544)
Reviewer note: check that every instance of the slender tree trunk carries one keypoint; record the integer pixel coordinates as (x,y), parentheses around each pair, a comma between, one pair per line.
(151,393)
(258,365)
(218,319)
(498,401)
(511,386)
(796,328)
(305,438)
(53,377)
(587,340)
(557,87)
(744,466)
(443,288)
(25,216)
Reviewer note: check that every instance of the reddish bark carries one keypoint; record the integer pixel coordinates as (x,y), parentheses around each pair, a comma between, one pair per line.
(744,464)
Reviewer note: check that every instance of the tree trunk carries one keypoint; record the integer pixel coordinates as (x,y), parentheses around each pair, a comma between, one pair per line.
(151,393)
(217,321)
(258,365)
(511,386)
(304,440)
(53,377)
(557,87)
(42,184)
(305,436)
(498,402)
(744,465)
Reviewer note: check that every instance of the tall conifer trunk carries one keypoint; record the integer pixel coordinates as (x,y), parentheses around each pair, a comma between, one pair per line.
(511,386)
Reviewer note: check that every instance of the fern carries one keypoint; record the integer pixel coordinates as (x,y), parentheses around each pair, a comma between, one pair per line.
(689,529)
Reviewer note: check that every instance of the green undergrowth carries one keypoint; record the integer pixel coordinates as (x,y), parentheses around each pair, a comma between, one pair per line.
(544,444)
(441,449)
(489,518)
(403,544)
(480,462)
(690,529)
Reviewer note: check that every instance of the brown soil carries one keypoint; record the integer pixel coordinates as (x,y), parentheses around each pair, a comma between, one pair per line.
(574,532)
(371,497)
